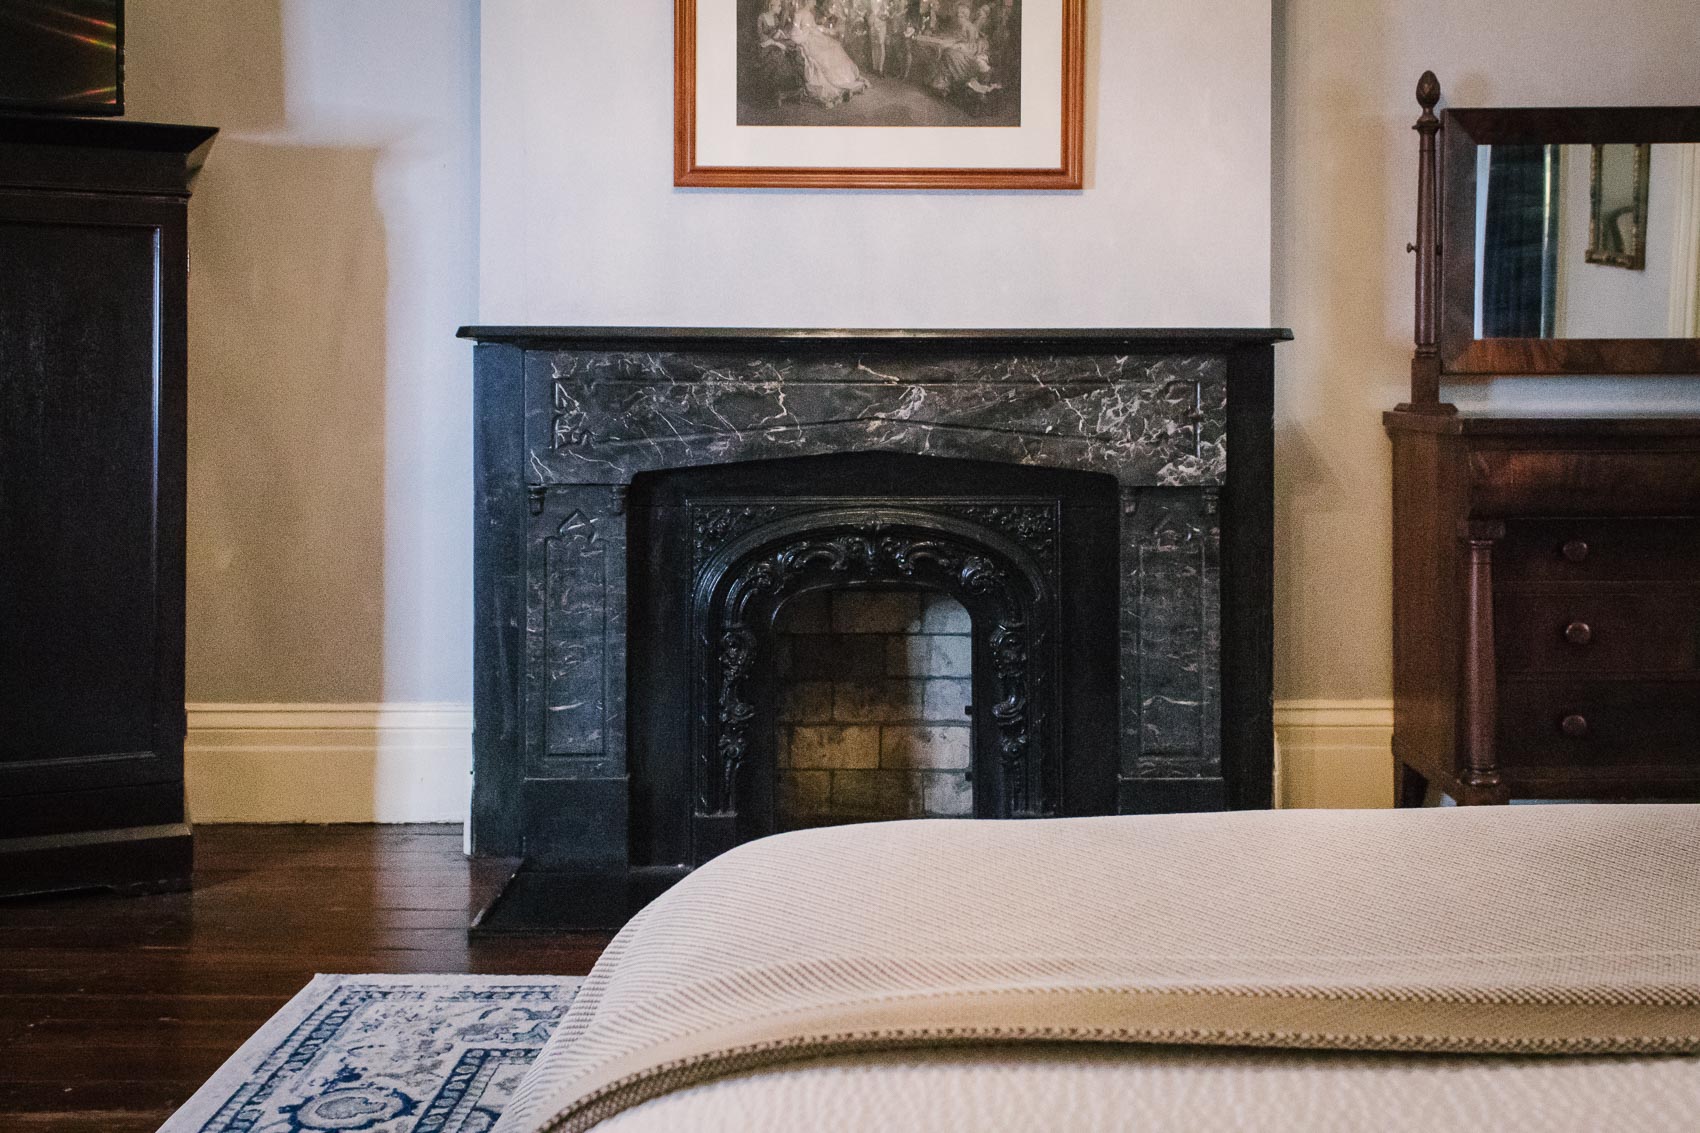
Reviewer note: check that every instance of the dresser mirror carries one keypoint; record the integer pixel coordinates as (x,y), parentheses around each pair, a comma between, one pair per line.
(1569,241)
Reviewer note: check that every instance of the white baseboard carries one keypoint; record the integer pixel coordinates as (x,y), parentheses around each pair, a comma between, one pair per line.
(413,762)
(1334,753)
(329,762)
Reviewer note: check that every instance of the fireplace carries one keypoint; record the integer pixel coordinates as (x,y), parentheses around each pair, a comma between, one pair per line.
(735,582)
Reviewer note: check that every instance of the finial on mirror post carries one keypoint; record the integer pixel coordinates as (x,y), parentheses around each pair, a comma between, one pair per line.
(1428,97)
(1425,362)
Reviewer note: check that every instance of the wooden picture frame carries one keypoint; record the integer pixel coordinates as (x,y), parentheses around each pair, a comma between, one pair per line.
(696,167)
(1607,245)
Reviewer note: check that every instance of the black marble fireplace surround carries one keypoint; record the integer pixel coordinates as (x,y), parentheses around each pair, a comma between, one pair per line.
(649,500)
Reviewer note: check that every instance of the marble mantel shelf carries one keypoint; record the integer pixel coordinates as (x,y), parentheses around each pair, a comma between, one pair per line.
(1176,340)
(632,399)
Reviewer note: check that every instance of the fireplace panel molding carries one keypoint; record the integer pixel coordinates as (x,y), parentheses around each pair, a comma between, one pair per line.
(567,418)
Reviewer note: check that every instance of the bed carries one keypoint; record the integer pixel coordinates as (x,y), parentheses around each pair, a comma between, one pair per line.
(1492,968)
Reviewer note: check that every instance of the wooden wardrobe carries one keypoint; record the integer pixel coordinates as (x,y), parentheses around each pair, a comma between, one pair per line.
(93,360)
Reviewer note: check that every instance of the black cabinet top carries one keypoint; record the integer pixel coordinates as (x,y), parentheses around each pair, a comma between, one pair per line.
(100,154)
(102,133)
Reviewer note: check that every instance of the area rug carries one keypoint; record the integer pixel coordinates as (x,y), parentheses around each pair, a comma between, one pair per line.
(388,1054)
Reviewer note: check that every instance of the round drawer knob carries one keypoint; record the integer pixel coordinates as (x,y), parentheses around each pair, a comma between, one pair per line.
(1578,633)
(1575,550)
(1574,725)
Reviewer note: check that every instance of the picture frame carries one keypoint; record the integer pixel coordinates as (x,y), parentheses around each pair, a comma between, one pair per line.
(1617,205)
(879,94)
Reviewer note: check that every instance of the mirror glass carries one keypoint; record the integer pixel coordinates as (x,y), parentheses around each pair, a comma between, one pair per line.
(1587,241)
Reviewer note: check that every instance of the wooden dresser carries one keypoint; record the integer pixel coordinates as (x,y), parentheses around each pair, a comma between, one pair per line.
(1546,599)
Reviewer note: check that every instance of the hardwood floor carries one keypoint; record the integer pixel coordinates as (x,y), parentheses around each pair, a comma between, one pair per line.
(114,1009)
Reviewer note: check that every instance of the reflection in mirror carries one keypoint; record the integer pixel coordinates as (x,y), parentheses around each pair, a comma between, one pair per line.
(1617,205)
(1587,241)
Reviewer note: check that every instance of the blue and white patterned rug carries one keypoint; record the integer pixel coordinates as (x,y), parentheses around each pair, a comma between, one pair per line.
(388,1054)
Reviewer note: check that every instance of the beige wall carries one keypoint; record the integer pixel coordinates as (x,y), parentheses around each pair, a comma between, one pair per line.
(1344,191)
(334,252)
(333,244)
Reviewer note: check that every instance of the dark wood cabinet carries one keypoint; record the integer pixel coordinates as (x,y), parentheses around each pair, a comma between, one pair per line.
(93,296)
(1546,597)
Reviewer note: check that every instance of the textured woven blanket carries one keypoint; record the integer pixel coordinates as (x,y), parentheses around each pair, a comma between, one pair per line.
(1552,930)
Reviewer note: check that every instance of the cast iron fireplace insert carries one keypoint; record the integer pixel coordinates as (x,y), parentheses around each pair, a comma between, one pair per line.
(1029,552)
(650,502)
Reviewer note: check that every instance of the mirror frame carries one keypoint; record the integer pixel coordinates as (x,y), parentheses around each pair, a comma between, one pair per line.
(1462,131)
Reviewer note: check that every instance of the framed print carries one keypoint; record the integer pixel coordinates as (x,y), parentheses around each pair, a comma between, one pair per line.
(879,94)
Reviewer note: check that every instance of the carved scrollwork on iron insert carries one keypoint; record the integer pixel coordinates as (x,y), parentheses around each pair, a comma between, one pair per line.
(1034,526)
(714,524)
(735,615)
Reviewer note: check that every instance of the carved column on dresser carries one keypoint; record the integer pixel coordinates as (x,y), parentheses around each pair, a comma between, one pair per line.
(1481,780)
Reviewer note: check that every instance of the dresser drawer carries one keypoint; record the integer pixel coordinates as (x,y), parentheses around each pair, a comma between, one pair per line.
(1597,723)
(1598,481)
(1589,549)
(1600,628)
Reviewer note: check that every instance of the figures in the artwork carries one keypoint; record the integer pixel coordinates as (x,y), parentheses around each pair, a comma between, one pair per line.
(830,76)
(1005,36)
(876,17)
(776,66)
(879,62)
(962,55)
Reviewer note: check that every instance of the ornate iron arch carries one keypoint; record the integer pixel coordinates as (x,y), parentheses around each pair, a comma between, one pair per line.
(1009,596)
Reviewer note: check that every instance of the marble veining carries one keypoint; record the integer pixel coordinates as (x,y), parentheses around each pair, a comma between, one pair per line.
(1144,420)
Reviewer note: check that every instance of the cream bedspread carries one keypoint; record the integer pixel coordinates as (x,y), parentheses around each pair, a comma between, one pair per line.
(843,962)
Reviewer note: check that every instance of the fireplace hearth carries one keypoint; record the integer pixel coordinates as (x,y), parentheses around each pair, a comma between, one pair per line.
(656,508)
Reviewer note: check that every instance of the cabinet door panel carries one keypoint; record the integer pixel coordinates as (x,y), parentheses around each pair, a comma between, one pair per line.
(85,652)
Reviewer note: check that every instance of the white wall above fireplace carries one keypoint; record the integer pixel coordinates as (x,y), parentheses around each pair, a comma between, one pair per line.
(580,223)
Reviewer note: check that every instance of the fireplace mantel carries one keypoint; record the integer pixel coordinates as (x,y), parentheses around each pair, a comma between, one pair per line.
(1177,425)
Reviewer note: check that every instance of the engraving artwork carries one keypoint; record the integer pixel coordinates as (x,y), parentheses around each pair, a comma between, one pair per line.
(879,63)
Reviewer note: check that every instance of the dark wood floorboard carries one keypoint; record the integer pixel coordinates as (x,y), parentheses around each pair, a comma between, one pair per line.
(114,1009)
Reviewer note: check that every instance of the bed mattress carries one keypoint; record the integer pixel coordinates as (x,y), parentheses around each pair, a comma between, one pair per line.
(1526,967)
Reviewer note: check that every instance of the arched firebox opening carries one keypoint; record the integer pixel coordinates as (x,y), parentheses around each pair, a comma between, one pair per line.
(942,547)
(721,557)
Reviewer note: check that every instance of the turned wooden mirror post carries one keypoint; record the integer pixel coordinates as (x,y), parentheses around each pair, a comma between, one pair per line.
(1425,362)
